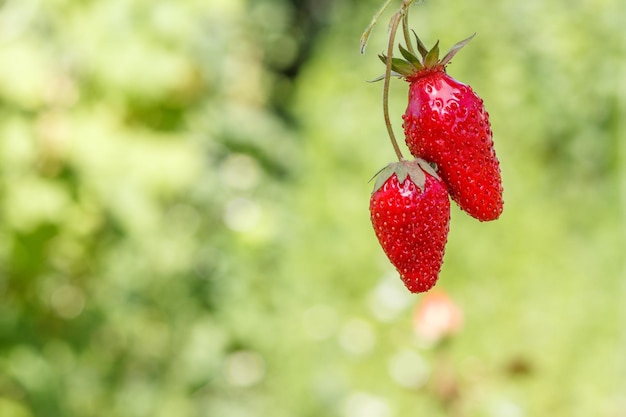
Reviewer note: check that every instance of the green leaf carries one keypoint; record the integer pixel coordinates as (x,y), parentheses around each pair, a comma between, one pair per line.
(382,77)
(399,66)
(420,45)
(416,174)
(432,57)
(456,48)
(401,172)
(410,57)
(427,167)
(402,67)
(382,176)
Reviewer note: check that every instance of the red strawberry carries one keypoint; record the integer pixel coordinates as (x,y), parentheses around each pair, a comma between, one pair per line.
(446,123)
(410,212)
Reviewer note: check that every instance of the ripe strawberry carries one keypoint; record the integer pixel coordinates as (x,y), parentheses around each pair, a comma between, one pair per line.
(410,212)
(445,122)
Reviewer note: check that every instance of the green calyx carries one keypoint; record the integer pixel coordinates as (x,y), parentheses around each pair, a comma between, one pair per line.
(411,65)
(415,170)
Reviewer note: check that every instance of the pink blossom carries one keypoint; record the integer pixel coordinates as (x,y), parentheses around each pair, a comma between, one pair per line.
(436,316)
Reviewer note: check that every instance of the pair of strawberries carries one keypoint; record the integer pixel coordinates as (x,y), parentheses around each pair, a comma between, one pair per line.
(447,130)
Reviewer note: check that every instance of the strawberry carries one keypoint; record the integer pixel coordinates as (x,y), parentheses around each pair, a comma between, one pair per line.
(410,212)
(446,123)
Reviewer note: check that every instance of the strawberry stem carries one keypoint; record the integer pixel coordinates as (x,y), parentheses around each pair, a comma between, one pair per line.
(368,31)
(395,20)
(400,15)
(405,26)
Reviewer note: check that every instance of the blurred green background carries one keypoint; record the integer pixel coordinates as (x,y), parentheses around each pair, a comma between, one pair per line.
(184,226)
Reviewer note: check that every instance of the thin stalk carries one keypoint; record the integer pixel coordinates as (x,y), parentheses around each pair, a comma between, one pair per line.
(395,20)
(405,26)
(368,31)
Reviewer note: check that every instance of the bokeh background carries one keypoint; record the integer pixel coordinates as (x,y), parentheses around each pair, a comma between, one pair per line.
(184,226)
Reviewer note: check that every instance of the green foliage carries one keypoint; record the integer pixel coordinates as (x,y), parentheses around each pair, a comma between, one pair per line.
(184,224)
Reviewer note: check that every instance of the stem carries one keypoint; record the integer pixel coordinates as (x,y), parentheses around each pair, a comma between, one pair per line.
(368,31)
(405,26)
(395,20)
